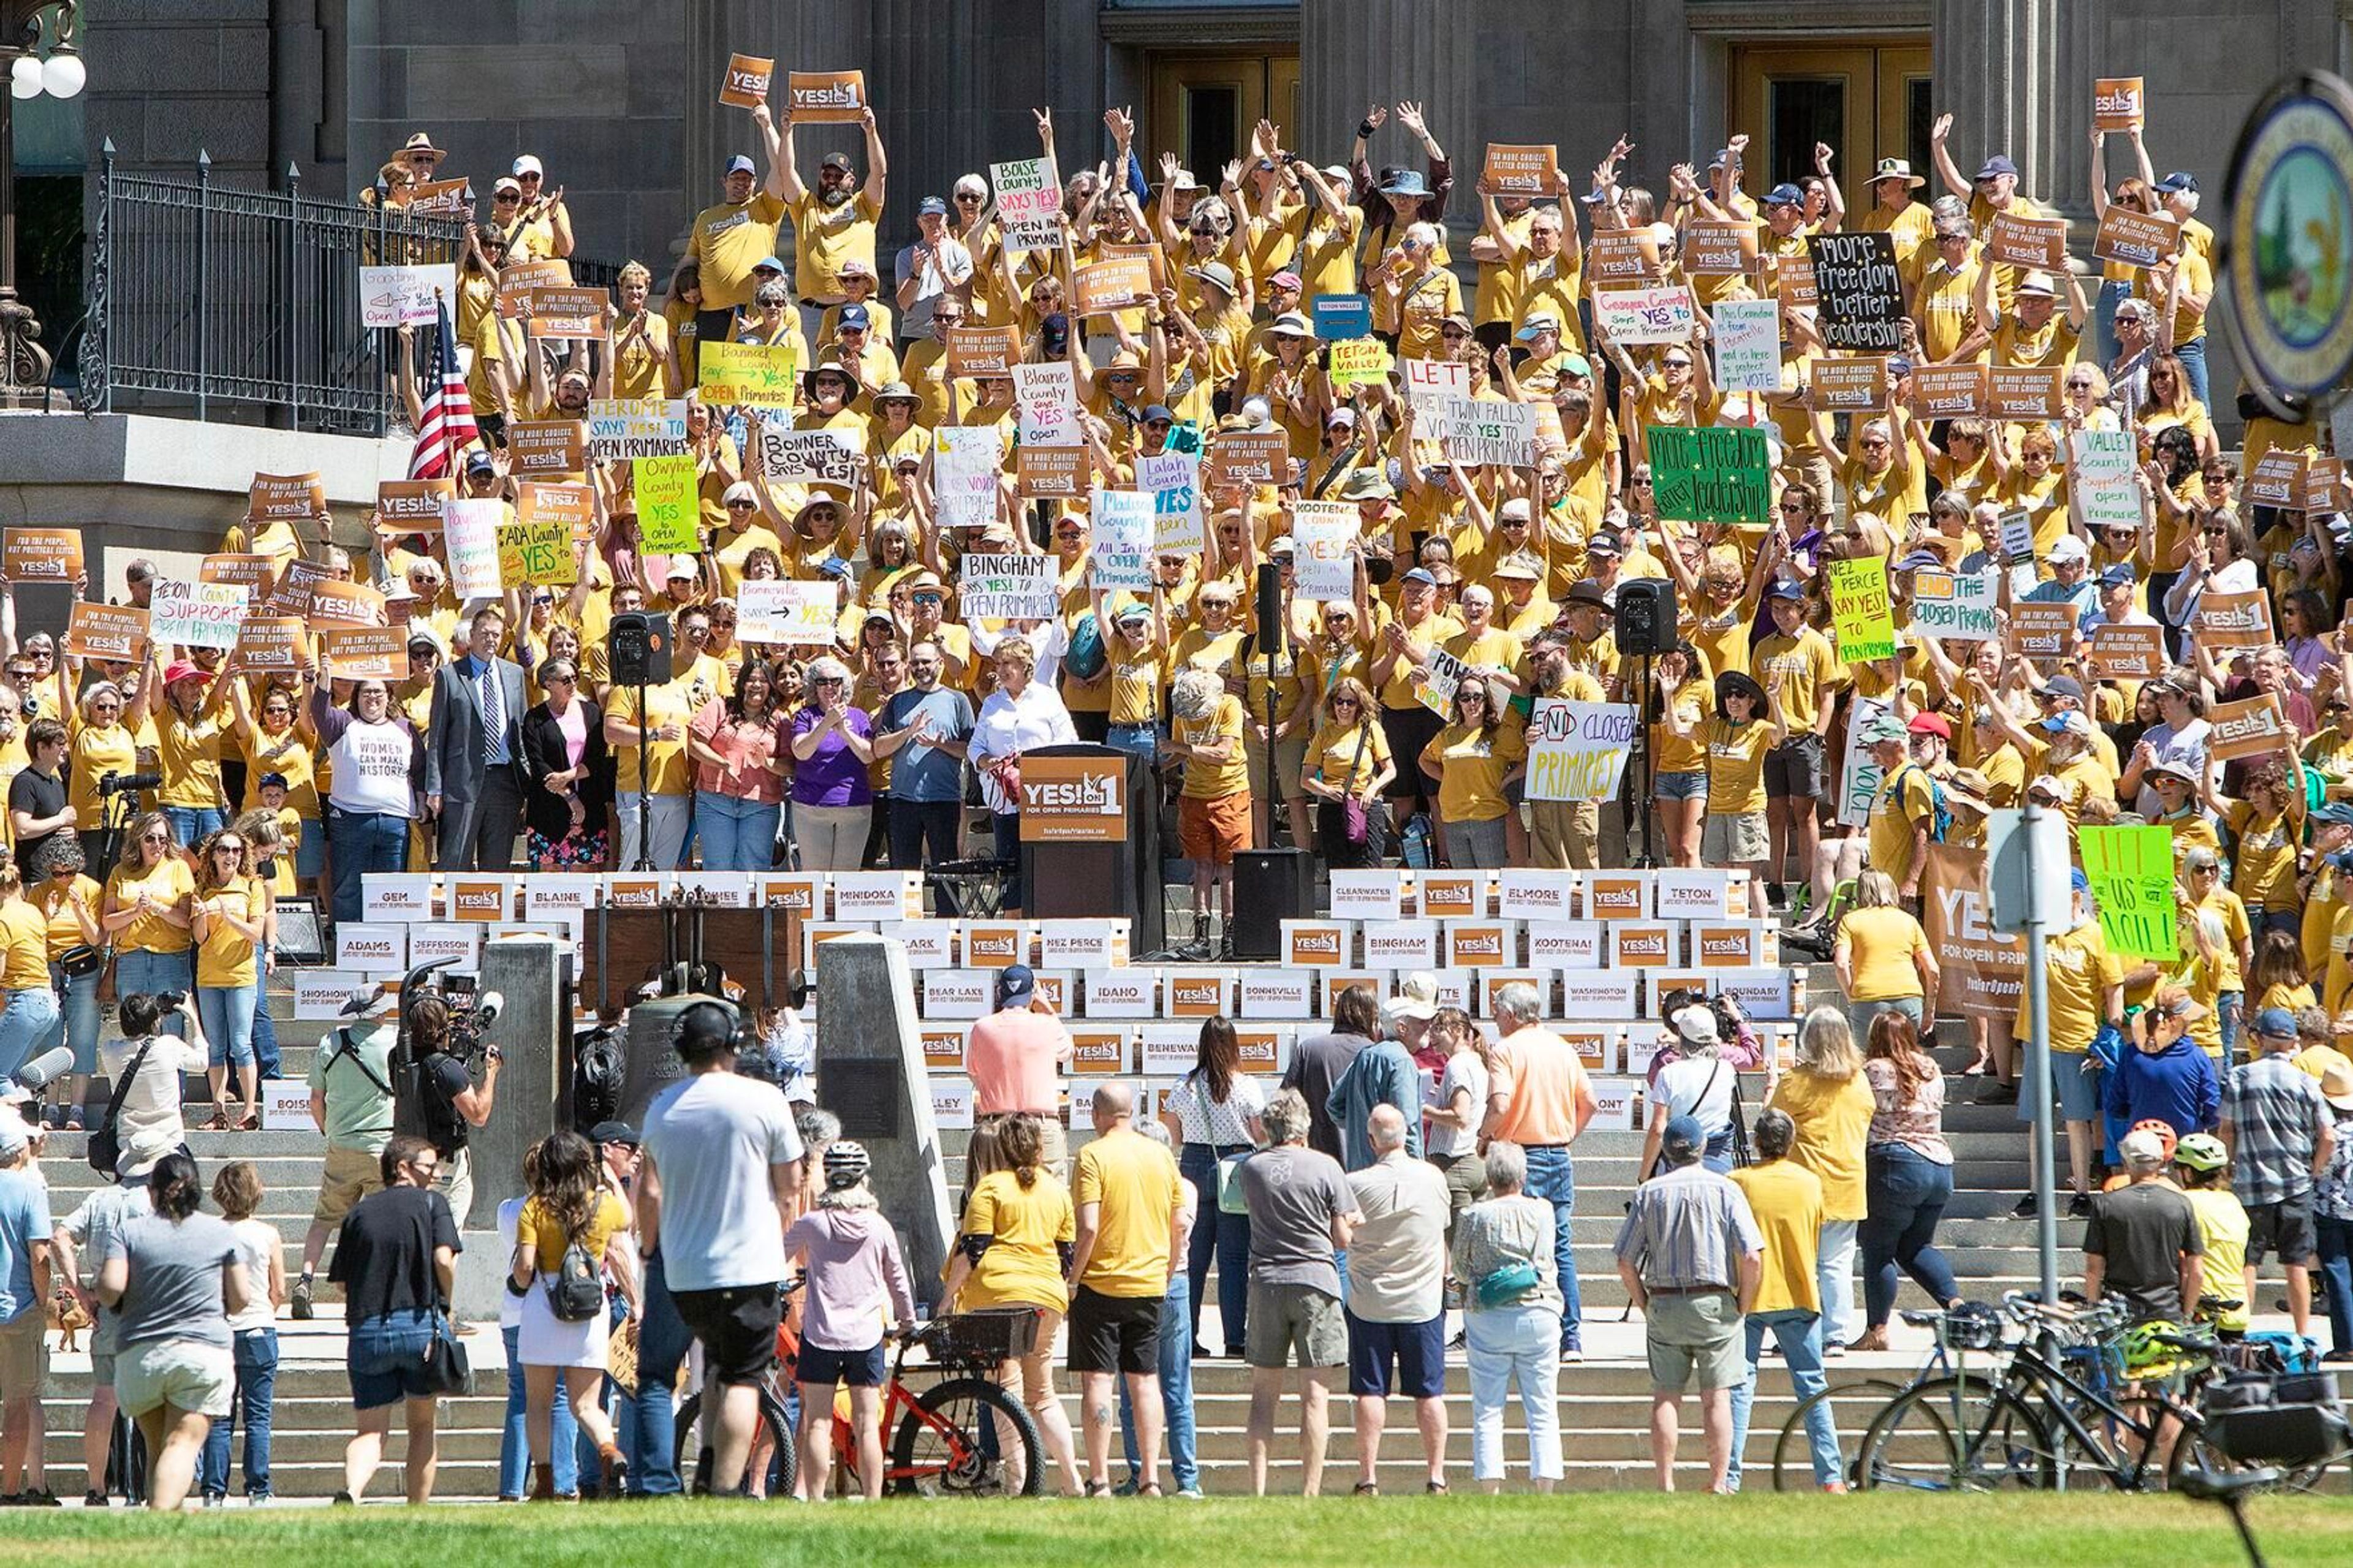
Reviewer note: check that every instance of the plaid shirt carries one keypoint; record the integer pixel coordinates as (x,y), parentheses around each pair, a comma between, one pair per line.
(2276,1112)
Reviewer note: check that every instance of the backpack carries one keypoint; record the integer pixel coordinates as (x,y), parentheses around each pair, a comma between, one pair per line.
(596,1076)
(1940,822)
(576,1293)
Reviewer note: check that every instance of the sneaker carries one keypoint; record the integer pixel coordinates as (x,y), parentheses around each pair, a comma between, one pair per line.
(2027,1208)
(39,1497)
(215,1499)
(1834,1348)
(343,1499)
(1192,1493)
(1999,1094)
(2080,1206)
(2339,1356)
(302,1311)
(96,1499)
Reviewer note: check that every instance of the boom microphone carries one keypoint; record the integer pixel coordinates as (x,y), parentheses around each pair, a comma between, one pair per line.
(45,1070)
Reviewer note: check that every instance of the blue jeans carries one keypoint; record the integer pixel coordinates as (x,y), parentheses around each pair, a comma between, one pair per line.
(364,841)
(1225,1237)
(1800,1335)
(256,1380)
(139,973)
(2104,317)
(1006,827)
(1176,1390)
(1552,1178)
(26,1020)
(514,1449)
(662,1343)
(192,824)
(2193,363)
(265,1030)
(737,835)
(1906,1194)
(226,1014)
(2335,1258)
(77,1024)
(1136,740)
(2229,1004)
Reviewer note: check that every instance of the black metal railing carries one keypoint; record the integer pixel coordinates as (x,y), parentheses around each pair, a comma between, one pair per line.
(203,295)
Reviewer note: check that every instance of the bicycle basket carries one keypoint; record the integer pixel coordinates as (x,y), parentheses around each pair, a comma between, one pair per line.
(1973,1326)
(986,1337)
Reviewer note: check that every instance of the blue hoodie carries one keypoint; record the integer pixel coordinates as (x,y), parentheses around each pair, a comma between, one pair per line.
(2176,1086)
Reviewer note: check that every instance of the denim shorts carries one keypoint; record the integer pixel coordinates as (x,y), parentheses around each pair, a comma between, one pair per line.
(386,1356)
(1690,785)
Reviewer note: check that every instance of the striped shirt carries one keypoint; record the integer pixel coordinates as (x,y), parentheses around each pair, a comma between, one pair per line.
(2276,1113)
(1687,1230)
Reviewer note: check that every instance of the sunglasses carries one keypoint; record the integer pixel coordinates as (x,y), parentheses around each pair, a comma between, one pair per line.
(154,838)
(563,679)
(966,196)
(229,848)
(1344,702)
(827,680)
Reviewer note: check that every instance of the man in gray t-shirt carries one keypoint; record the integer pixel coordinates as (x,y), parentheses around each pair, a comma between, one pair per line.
(87,1231)
(1300,1211)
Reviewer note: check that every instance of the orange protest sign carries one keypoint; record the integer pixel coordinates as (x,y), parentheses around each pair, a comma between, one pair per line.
(1248,458)
(517,279)
(543,448)
(2136,239)
(1522,170)
(271,643)
(1948,391)
(2253,727)
(365,653)
(2127,652)
(1620,256)
(1719,250)
(1073,800)
(40,554)
(539,502)
(2118,103)
(2037,242)
(2234,620)
(246,570)
(114,632)
(2041,631)
(1793,283)
(293,594)
(285,497)
(1050,472)
(440,198)
(1848,385)
(568,313)
(747,80)
(2023,391)
(983,350)
(346,604)
(1118,284)
(821,97)
(412,506)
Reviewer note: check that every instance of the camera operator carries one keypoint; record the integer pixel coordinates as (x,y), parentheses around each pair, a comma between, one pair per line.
(451,1104)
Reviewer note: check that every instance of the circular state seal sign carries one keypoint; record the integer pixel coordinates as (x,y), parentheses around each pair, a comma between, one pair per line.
(2288,254)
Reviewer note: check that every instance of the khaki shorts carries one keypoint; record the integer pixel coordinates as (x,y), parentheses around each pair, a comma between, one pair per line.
(351,1175)
(1728,838)
(24,1353)
(1284,1318)
(181,1374)
(1696,1333)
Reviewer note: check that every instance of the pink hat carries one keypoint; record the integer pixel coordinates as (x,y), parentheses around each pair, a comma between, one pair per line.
(181,670)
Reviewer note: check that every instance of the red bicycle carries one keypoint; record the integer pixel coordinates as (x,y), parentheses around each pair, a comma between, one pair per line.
(962,1437)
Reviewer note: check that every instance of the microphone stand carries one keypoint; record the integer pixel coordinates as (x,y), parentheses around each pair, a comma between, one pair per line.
(645,860)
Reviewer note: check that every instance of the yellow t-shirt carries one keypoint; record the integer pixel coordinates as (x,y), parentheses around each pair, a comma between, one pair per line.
(1133,1182)
(1470,765)
(1894,819)
(1135,682)
(25,966)
(2222,1222)
(538,1232)
(1787,1200)
(666,767)
(1833,1122)
(1735,765)
(1810,670)
(1021,1267)
(56,900)
(824,238)
(2081,969)
(167,882)
(266,753)
(225,957)
(729,240)
(95,753)
(2263,868)
(1881,945)
(1331,755)
(1680,754)
(1216,781)
(190,756)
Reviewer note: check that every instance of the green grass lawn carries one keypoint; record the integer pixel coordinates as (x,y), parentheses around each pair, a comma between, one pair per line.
(1616,1529)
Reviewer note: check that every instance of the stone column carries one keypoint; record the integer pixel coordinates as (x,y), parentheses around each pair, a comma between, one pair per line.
(534,1035)
(1356,53)
(2016,75)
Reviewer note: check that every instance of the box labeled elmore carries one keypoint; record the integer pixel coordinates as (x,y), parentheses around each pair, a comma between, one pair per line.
(1535,895)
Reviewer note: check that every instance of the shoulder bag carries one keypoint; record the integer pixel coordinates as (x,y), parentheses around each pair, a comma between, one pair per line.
(447,1369)
(1229,1168)
(105,1150)
(1365,825)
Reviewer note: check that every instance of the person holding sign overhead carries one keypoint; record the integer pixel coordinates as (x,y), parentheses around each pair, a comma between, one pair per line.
(730,238)
(189,730)
(835,221)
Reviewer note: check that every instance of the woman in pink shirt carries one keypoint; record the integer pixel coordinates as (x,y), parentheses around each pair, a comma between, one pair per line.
(855,1272)
(740,770)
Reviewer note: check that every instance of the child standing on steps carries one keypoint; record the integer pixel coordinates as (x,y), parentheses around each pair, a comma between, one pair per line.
(237,1190)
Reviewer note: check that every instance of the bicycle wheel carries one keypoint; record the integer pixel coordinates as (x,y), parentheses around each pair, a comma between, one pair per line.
(957,1438)
(1793,1455)
(2192,1452)
(774,1458)
(1947,1436)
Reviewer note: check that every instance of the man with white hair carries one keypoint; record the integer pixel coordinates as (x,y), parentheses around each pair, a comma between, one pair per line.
(1396,1304)
(2143,1244)
(1541,1100)
(1300,1211)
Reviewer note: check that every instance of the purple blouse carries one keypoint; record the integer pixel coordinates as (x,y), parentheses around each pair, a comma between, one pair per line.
(832,775)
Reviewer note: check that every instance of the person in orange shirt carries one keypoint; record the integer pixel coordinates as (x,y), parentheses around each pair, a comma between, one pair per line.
(1015,1058)
(1542,1101)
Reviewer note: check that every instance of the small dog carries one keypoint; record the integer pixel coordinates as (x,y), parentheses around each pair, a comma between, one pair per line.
(69,1316)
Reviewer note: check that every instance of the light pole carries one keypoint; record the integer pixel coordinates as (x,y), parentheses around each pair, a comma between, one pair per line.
(24,363)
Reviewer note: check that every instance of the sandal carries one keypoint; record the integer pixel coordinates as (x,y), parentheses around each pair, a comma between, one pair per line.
(1150,1489)
(1434,1489)
(220,1124)
(1366,1489)
(1098,1489)
(252,1122)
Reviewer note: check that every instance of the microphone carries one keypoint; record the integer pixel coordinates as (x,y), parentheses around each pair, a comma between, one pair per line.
(45,1070)
(486,1008)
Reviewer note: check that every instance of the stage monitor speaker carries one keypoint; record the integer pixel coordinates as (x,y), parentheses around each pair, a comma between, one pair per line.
(639,648)
(1646,617)
(1270,886)
(1270,600)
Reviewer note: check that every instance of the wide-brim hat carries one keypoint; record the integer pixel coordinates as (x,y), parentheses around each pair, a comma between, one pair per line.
(1738,683)
(856,387)
(421,143)
(1897,169)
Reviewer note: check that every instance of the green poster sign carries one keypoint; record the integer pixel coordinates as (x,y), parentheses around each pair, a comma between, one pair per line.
(2131,873)
(1712,474)
(669,511)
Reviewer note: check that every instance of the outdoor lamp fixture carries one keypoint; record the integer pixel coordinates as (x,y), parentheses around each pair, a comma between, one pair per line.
(24,363)
(62,75)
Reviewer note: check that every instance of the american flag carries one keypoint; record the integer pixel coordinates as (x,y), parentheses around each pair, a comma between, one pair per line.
(445,427)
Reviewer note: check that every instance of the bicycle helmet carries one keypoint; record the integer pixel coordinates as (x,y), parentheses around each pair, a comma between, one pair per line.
(2202,1152)
(846,1164)
(2160,1127)
(2147,1355)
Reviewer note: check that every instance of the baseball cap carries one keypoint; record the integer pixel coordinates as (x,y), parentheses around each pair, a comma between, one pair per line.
(854,316)
(835,160)
(1283,546)
(1542,321)
(1286,280)
(1604,543)
(13,1139)
(1571,363)
(1886,726)
(833,566)
(2142,1150)
(2000,163)
(2069,548)
(1015,985)
(1785,194)
(2064,686)
(1695,1025)
(1159,413)
(268,779)
(482,460)
(1417,997)
(2118,577)
(1683,1137)
(2078,881)
(2275,1024)
(527,164)
(615,1132)
(740,165)
(767,264)
(1931,724)
(1421,574)
(931,206)
(2175,182)
(507,182)
(1783,588)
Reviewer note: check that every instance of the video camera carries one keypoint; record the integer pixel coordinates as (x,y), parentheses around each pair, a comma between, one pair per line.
(472,1010)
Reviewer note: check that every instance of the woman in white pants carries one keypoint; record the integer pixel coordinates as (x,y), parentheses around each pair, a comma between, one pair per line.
(1510,1320)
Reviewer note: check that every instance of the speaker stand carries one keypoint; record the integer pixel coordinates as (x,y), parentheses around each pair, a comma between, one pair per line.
(645,861)
(1642,807)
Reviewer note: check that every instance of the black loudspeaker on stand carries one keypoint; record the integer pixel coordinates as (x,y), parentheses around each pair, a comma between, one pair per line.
(637,649)
(1270,886)
(1646,629)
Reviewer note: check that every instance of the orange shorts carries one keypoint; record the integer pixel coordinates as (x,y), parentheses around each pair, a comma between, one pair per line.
(1212,830)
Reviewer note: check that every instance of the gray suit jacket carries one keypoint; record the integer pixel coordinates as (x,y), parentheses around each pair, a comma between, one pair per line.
(453,741)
